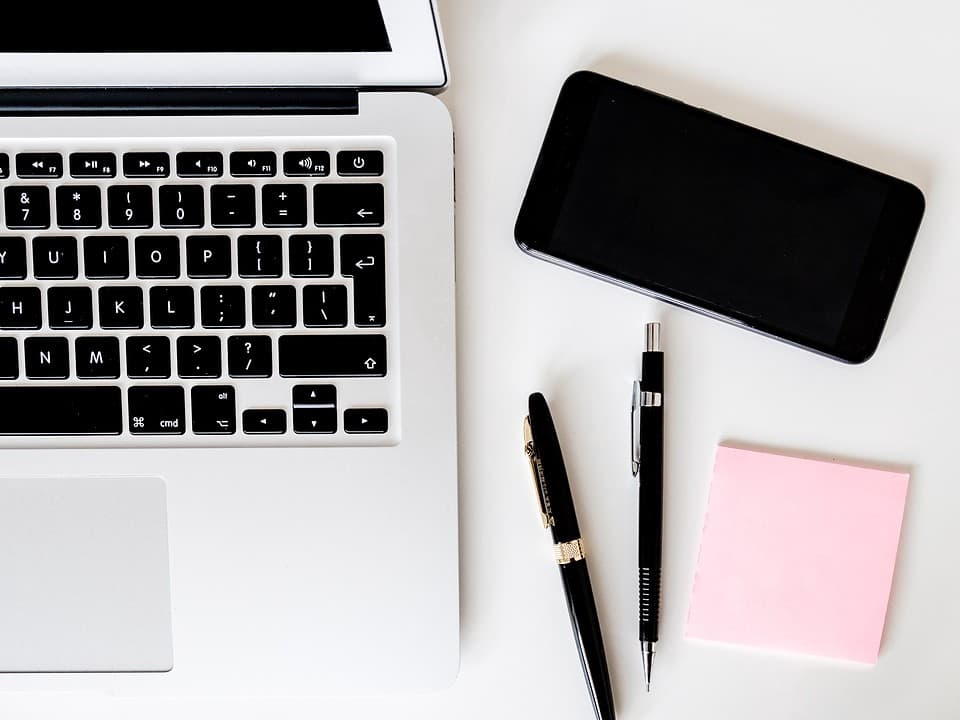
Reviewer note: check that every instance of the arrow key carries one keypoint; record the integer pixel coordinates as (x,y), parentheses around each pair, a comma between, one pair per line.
(264,422)
(366,421)
(308,422)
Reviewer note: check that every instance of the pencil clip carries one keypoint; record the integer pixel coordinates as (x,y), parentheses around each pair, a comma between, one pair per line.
(536,467)
(635,428)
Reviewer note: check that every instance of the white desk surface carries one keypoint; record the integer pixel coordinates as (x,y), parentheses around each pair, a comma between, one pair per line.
(872,81)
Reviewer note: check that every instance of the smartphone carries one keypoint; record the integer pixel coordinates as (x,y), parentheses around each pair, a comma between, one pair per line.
(718,217)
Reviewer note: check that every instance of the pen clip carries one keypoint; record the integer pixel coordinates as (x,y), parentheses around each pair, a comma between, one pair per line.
(635,429)
(536,467)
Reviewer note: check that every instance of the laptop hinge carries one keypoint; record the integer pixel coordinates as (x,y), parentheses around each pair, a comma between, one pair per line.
(178,101)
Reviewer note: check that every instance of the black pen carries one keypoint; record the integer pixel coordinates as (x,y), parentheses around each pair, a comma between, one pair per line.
(557,513)
(647,455)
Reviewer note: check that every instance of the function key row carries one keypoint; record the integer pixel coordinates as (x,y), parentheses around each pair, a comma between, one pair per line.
(150,357)
(79,207)
(296,163)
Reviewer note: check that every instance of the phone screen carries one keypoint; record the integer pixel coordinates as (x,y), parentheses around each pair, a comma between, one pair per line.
(715,214)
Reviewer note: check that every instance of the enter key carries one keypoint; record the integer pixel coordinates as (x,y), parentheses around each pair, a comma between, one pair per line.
(362,258)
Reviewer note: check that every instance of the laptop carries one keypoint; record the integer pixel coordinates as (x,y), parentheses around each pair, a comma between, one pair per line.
(228,440)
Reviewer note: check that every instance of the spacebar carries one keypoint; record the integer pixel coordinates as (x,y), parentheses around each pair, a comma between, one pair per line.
(68,410)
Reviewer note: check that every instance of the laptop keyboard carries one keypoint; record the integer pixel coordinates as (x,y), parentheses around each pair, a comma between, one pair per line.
(178,292)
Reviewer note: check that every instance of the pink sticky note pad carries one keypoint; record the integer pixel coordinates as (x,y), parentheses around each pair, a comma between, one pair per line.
(797,555)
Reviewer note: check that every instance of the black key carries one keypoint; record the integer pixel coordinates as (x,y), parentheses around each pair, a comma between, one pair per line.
(98,357)
(4,166)
(106,257)
(355,204)
(13,258)
(361,257)
(157,410)
(222,306)
(199,164)
(325,306)
(71,410)
(27,207)
(274,306)
(314,409)
(158,256)
(20,308)
(259,256)
(264,422)
(93,165)
(78,206)
(214,409)
(181,206)
(47,358)
(146,164)
(365,421)
(253,164)
(55,258)
(306,163)
(171,307)
(121,308)
(333,356)
(39,165)
(233,206)
(69,308)
(360,163)
(9,361)
(284,205)
(198,356)
(208,256)
(250,356)
(130,206)
(311,255)
(323,397)
(148,357)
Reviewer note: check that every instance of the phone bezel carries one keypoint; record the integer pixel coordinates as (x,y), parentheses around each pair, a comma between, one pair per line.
(875,288)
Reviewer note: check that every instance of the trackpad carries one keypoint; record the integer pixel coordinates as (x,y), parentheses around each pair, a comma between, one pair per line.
(84,575)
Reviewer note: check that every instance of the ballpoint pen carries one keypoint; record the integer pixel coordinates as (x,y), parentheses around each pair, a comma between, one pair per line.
(646,419)
(557,513)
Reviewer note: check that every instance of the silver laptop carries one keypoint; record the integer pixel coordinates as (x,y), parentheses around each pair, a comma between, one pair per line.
(227,356)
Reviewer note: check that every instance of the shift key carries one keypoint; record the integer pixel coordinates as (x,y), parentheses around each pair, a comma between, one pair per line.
(333,356)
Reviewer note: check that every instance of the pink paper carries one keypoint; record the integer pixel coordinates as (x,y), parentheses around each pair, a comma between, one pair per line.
(797,555)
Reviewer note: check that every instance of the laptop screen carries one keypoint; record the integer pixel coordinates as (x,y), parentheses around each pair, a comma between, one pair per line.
(332,26)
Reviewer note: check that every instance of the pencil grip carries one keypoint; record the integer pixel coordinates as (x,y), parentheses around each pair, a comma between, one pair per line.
(649,594)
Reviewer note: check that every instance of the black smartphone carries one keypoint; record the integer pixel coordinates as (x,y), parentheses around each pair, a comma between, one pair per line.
(707,213)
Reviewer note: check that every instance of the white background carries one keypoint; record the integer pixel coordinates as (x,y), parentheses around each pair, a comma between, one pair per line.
(872,81)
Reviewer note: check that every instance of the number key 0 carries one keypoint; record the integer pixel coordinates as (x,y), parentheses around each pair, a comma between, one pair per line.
(181,206)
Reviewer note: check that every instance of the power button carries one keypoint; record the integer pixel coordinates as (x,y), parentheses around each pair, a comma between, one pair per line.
(360,163)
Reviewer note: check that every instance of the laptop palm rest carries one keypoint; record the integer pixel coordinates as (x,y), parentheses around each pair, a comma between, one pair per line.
(84,575)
